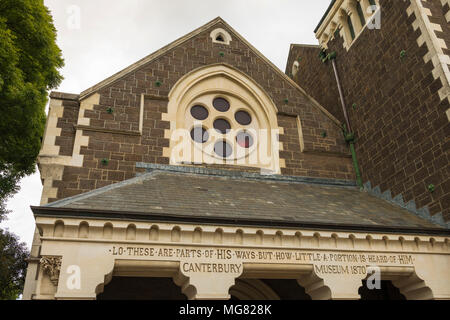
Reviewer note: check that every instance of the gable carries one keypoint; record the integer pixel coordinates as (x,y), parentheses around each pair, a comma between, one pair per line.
(197,49)
(125,119)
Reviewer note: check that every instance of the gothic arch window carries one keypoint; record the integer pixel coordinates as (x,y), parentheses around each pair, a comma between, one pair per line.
(221,36)
(350,20)
(219,115)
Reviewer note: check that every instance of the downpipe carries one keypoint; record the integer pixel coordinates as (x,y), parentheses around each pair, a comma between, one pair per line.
(347,129)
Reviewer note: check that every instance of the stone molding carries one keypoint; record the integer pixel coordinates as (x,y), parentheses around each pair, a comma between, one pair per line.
(337,18)
(250,236)
(50,163)
(222,80)
(115,131)
(223,33)
(412,272)
(447,15)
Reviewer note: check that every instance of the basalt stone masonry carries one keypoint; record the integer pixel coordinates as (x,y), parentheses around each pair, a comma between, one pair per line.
(395,83)
(112,139)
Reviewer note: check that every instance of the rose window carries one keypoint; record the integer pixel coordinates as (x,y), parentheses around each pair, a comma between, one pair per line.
(222,126)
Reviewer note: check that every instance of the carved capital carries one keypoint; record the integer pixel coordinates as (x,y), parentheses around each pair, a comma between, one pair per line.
(52,267)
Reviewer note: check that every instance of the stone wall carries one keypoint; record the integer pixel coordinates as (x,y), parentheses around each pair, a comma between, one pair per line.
(315,77)
(112,140)
(399,114)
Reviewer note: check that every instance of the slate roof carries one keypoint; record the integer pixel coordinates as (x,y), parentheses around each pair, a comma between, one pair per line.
(235,197)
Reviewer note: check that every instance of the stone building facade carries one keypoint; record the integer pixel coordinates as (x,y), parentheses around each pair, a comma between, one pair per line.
(396,83)
(203,159)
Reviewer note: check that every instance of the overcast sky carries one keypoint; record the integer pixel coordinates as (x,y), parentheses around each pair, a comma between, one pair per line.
(101,37)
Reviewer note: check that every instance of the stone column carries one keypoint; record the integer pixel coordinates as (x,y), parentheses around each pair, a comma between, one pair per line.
(354,16)
(345,27)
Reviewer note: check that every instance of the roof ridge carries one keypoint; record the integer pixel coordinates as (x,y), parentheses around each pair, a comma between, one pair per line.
(152,167)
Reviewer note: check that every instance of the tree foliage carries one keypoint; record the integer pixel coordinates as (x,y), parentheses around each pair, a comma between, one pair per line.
(13,265)
(29,63)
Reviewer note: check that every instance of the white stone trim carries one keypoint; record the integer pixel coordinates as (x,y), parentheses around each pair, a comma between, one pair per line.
(50,173)
(435,47)
(80,140)
(337,18)
(295,68)
(221,80)
(141,114)
(220,32)
(51,164)
(420,271)
(55,111)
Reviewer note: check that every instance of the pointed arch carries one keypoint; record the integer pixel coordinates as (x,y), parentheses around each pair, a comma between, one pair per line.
(201,87)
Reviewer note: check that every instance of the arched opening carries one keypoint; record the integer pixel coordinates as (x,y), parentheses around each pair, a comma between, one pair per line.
(83,230)
(108,231)
(141,288)
(268,289)
(58,230)
(220,38)
(131,232)
(387,292)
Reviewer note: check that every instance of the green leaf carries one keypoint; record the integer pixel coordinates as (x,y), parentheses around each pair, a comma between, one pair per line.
(13,265)
(29,66)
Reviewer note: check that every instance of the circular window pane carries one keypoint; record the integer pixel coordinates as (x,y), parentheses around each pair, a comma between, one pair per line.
(199,112)
(199,134)
(223,149)
(244,139)
(222,125)
(243,118)
(221,104)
